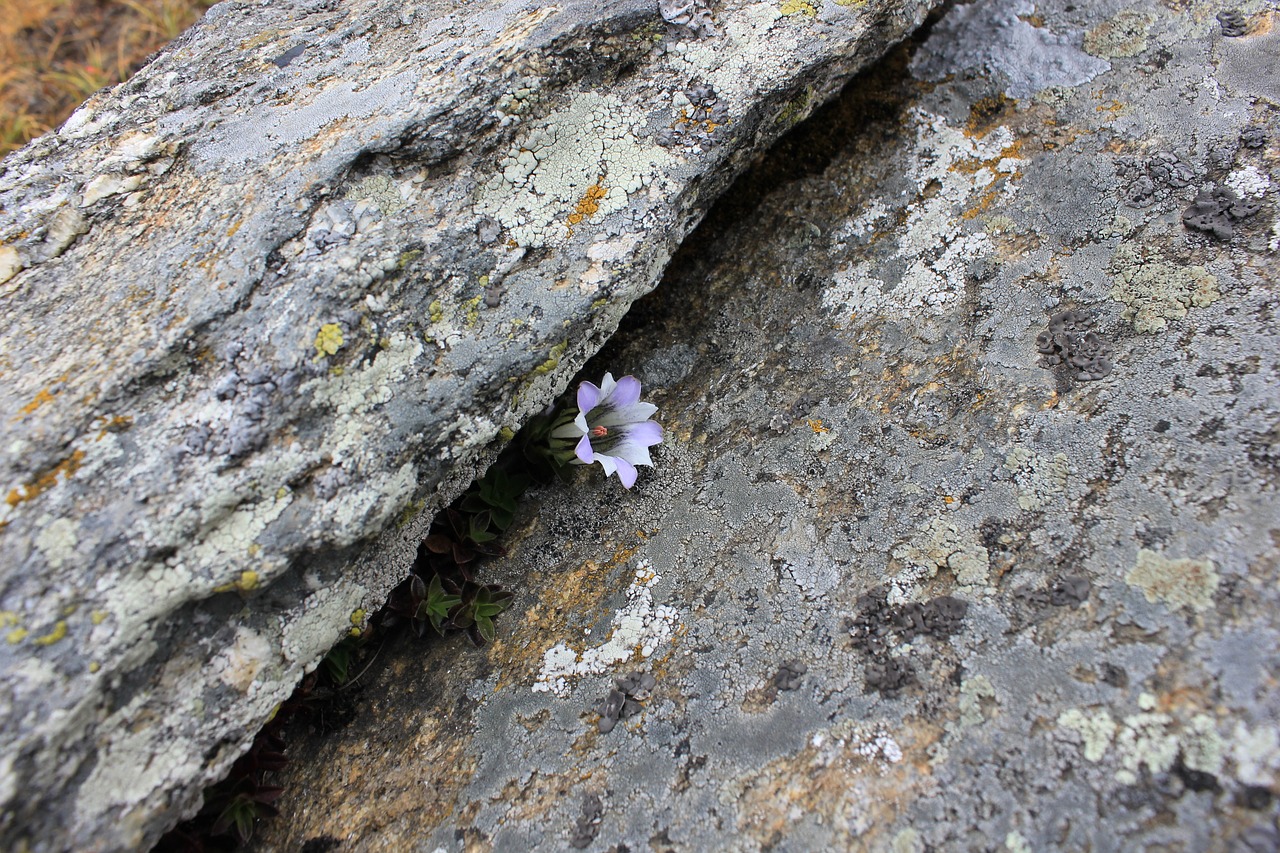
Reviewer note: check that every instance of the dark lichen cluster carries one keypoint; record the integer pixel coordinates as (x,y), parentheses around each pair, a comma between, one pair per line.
(789,675)
(1148,181)
(1217,210)
(697,122)
(1066,591)
(1070,342)
(878,625)
(688,18)
(588,823)
(1233,22)
(1253,136)
(624,700)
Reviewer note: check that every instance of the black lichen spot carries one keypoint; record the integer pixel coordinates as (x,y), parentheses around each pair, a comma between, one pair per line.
(1196,780)
(1216,210)
(890,676)
(1116,676)
(1069,590)
(588,823)
(1234,23)
(1253,136)
(624,700)
(321,844)
(1070,342)
(789,675)
(289,55)
(1255,797)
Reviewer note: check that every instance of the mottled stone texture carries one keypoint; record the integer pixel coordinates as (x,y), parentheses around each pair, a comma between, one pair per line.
(901,587)
(272,302)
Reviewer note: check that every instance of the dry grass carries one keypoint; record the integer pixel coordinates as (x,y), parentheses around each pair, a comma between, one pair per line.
(55,53)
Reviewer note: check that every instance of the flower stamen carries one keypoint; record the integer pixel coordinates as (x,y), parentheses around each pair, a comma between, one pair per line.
(599,432)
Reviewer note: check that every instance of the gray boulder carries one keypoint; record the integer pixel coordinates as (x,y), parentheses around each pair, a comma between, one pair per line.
(963,536)
(270,304)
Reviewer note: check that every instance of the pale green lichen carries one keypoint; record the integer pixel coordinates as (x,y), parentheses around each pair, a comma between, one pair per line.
(1145,739)
(1202,746)
(1121,36)
(553,359)
(1037,477)
(1177,583)
(973,693)
(941,544)
(548,171)
(56,541)
(1014,842)
(1155,290)
(1096,729)
(1256,753)
(381,191)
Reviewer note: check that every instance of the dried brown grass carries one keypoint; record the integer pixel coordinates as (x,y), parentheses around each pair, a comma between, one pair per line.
(55,53)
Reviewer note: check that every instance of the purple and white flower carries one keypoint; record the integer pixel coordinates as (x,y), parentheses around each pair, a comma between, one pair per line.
(612,427)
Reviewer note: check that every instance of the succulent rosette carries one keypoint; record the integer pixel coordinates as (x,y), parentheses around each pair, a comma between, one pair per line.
(612,427)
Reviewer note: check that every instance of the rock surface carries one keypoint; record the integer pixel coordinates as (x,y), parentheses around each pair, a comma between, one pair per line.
(899,586)
(271,303)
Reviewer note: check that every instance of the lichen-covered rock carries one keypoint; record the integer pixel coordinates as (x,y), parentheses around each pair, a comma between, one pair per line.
(1016,609)
(273,301)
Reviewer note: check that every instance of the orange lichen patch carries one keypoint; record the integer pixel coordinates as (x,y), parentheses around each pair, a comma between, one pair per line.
(47,480)
(972,165)
(539,795)
(989,113)
(589,204)
(36,402)
(985,201)
(817,426)
(1112,106)
(844,776)
(115,423)
(573,596)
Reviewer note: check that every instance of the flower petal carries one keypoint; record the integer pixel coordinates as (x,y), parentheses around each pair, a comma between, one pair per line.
(584,451)
(631,414)
(627,392)
(633,454)
(588,397)
(645,433)
(626,473)
(608,463)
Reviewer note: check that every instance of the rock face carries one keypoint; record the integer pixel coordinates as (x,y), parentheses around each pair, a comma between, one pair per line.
(923,565)
(270,304)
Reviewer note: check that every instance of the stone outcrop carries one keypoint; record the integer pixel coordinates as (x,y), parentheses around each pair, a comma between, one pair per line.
(922,565)
(273,302)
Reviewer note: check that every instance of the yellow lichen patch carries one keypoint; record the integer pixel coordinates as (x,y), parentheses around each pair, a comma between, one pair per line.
(553,359)
(856,4)
(94,666)
(798,7)
(97,617)
(17,635)
(59,631)
(589,204)
(328,340)
(47,480)
(247,581)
